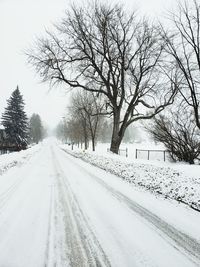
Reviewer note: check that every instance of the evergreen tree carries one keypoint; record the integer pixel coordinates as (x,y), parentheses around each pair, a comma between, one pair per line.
(36,129)
(15,120)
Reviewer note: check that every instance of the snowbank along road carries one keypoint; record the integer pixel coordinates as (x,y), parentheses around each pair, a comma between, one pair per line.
(56,210)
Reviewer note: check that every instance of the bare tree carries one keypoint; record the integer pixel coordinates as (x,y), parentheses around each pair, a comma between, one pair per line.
(89,109)
(103,50)
(179,133)
(77,125)
(183,45)
(75,131)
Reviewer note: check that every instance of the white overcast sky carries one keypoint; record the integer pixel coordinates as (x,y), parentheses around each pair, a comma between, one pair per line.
(21,21)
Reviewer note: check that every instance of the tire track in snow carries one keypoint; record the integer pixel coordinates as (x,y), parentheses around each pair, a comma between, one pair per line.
(83,248)
(50,246)
(9,192)
(181,241)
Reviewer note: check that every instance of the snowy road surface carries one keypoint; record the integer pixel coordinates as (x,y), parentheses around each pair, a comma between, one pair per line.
(57,211)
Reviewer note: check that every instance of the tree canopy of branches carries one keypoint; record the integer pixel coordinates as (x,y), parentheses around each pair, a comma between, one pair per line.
(104,50)
(183,45)
(179,133)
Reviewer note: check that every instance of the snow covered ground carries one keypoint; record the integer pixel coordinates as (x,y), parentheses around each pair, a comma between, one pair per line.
(61,211)
(176,181)
(10,160)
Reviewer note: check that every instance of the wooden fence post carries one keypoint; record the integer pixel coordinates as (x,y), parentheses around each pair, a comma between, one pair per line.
(136,153)
(126,152)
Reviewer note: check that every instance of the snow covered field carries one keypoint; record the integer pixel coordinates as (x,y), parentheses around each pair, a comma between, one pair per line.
(57,210)
(176,181)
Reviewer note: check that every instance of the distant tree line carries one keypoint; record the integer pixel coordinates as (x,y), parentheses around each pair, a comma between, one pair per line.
(135,67)
(37,131)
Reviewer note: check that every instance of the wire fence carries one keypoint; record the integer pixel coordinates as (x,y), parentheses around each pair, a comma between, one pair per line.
(150,153)
(155,154)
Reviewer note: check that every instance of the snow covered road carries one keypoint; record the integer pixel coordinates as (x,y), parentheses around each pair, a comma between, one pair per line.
(56,210)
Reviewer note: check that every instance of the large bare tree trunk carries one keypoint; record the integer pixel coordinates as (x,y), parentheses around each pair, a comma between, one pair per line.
(116,136)
(85,142)
(85,137)
(115,142)
(93,144)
